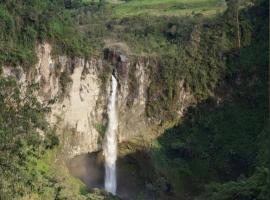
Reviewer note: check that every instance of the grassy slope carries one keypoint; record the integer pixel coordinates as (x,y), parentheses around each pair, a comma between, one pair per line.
(168,7)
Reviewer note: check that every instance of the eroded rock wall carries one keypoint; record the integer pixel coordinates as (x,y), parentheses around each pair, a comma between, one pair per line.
(80,98)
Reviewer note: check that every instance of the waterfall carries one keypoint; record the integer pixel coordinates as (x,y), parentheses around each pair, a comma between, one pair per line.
(110,142)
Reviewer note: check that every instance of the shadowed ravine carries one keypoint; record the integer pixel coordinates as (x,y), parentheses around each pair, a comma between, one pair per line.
(134,100)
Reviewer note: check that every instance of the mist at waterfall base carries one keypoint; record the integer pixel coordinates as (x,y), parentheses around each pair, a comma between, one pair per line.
(90,169)
(110,142)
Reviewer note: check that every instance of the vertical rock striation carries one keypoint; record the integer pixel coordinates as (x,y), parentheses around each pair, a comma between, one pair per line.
(79,111)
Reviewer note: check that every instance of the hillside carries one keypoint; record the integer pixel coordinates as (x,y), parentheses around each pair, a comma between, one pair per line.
(168,7)
(191,99)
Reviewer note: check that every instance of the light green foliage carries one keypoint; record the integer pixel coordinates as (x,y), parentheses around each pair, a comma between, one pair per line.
(23,24)
(167,7)
(101,129)
(30,165)
(20,118)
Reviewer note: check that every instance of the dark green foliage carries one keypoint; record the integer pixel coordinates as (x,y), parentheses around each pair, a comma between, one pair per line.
(163,90)
(254,187)
(23,24)
(101,129)
(200,69)
(65,82)
(223,141)
(225,137)
(178,49)
(51,140)
(193,49)
(20,118)
(132,85)
(27,147)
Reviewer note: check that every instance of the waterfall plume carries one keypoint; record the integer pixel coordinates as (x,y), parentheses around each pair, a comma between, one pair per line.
(110,142)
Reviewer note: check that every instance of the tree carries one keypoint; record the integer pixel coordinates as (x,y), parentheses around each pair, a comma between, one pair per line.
(254,187)
(67,4)
(20,118)
(233,14)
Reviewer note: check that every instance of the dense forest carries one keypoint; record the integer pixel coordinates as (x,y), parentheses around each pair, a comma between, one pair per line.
(218,150)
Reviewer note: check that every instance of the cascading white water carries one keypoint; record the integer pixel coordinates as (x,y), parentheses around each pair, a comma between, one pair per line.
(110,142)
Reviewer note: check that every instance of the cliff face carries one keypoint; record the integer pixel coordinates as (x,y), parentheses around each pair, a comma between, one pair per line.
(80,96)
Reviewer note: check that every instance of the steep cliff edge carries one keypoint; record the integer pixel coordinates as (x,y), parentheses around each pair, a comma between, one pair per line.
(79,96)
(192,100)
(74,112)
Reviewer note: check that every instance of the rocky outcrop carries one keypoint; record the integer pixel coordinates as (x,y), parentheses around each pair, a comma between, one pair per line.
(74,114)
(133,81)
(80,96)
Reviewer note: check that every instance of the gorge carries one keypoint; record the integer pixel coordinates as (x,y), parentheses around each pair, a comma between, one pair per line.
(134,100)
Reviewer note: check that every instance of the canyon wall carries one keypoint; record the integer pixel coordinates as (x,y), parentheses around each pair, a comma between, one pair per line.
(79,96)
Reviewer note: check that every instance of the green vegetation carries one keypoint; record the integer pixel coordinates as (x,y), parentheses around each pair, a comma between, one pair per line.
(21,117)
(219,141)
(101,129)
(24,23)
(219,150)
(254,187)
(168,7)
(30,160)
